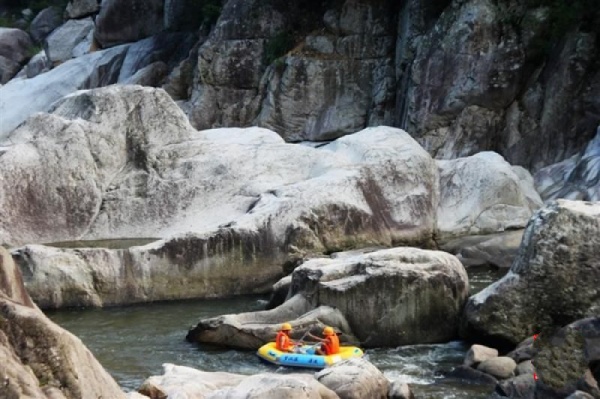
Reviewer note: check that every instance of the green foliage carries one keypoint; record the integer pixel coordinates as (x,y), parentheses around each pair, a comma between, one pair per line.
(278,45)
(7,21)
(562,17)
(199,12)
(33,50)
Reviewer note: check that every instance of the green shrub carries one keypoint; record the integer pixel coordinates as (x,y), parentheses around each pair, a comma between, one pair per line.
(278,45)
(6,21)
(198,12)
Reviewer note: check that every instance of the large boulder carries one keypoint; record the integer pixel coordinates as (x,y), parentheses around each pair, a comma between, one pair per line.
(15,46)
(355,379)
(128,164)
(481,194)
(72,190)
(19,99)
(186,382)
(38,359)
(44,23)
(253,329)
(59,45)
(390,297)
(552,282)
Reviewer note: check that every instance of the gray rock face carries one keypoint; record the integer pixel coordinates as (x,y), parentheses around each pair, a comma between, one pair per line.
(461,78)
(62,41)
(14,51)
(82,8)
(475,81)
(38,359)
(559,252)
(577,177)
(44,23)
(354,379)
(339,80)
(391,297)
(230,65)
(128,21)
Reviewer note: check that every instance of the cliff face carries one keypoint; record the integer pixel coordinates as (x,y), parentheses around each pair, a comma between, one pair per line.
(520,78)
(461,76)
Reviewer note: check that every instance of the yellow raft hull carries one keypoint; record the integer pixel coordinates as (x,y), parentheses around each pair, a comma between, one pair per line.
(269,353)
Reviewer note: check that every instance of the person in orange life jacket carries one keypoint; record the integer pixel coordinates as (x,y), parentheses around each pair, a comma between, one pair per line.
(283,341)
(330,344)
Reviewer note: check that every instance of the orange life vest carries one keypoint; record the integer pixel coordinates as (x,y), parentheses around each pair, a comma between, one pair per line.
(331,344)
(283,342)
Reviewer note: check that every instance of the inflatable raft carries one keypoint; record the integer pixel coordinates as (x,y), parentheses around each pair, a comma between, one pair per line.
(306,356)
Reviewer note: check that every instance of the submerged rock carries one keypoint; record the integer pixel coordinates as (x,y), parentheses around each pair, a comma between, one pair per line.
(251,330)
(38,359)
(552,282)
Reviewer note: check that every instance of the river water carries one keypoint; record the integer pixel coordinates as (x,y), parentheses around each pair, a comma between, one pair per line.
(133,342)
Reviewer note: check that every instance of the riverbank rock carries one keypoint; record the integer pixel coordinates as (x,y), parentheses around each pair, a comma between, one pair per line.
(479,353)
(501,367)
(552,282)
(251,330)
(38,359)
(390,297)
(179,381)
(355,379)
